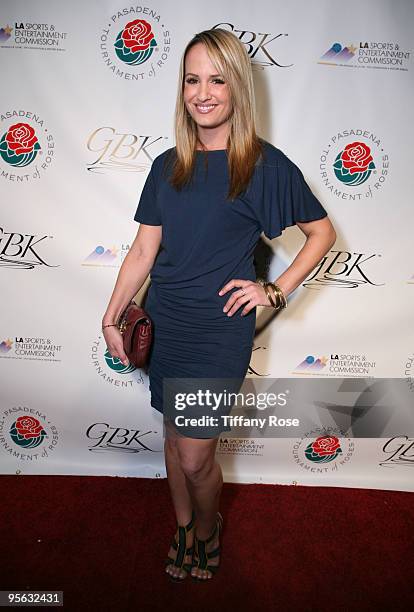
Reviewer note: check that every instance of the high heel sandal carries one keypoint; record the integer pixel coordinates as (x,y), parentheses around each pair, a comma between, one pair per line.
(201,556)
(182,551)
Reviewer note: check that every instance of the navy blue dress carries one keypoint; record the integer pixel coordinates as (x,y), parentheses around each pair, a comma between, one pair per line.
(207,241)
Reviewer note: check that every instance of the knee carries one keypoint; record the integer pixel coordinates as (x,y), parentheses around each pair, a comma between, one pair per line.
(196,468)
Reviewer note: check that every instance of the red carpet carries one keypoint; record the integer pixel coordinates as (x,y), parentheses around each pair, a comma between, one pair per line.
(103,541)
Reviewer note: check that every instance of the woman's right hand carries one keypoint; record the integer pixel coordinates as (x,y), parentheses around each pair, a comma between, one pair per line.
(115,344)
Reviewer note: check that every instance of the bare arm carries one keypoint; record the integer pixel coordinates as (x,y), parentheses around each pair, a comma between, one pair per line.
(132,275)
(320,237)
(134,270)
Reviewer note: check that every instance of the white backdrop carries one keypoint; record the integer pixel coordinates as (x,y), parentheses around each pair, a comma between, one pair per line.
(70,180)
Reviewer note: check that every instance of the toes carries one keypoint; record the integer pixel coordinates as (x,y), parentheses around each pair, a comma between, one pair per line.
(203,574)
(174,572)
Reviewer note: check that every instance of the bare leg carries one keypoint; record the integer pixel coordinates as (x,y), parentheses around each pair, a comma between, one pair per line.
(180,497)
(204,482)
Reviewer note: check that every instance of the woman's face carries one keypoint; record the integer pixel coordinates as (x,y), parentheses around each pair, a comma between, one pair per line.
(206,95)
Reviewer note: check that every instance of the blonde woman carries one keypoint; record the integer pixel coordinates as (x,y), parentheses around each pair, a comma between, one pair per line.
(205,203)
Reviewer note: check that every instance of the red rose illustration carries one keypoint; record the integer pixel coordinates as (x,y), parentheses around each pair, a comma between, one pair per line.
(21,138)
(356,157)
(137,35)
(27,427)
(325,445)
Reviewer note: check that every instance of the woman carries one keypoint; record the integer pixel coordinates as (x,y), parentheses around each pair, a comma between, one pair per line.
(206,202)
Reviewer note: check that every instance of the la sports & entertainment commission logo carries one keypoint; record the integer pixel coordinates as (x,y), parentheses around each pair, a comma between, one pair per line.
(136,43)
(30,35)
(367,54)
(240,446)
(26,146)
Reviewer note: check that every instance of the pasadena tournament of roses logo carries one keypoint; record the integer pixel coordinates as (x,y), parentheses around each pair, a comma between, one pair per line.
(323,450)
(409,371)
(135,44)
(26,146)
(27,434)
(353,165)
(111,369)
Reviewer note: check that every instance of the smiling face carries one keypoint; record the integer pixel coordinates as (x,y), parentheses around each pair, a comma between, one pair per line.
(206,96)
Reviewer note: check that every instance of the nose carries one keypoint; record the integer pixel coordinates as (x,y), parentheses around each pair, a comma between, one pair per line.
(203,93)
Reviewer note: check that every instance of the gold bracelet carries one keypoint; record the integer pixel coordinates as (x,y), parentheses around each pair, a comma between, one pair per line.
(269,296)
(276,296)
(278,300)
(282,298)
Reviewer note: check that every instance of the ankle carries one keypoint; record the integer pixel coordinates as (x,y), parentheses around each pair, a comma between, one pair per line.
(209,535)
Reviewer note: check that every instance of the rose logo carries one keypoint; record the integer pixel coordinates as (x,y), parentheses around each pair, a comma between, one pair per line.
(116,364)
(323,449)
(353,165)
(135,43)
(19,146)
(27,432)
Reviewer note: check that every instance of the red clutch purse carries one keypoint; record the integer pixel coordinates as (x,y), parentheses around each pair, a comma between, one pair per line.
(136,326)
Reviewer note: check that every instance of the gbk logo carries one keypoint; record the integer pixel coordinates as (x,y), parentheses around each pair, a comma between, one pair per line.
(259,45)
(119,151)
(400,451)
(342,269)
(18,250)
(103,437)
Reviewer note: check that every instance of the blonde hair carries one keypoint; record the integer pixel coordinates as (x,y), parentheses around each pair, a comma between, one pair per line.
(230,58)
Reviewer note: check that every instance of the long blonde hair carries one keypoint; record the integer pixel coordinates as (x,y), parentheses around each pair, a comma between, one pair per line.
(230,58)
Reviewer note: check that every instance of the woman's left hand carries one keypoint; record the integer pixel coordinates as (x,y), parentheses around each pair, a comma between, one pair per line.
(250,293)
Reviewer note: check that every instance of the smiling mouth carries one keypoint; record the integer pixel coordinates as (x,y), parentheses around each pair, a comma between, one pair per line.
(205,108)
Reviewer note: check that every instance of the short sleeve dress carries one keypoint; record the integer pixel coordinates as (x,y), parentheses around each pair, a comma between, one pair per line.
(208,240)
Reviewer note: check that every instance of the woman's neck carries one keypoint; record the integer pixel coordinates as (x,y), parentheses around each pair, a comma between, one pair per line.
(205,141)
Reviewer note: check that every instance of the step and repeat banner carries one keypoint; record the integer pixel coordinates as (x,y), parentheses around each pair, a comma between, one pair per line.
(87,103)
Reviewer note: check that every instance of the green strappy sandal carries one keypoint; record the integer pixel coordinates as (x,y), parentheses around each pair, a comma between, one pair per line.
(201,556)
(182,551)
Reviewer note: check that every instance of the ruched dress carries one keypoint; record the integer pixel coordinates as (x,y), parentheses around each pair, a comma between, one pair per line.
(208,240)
